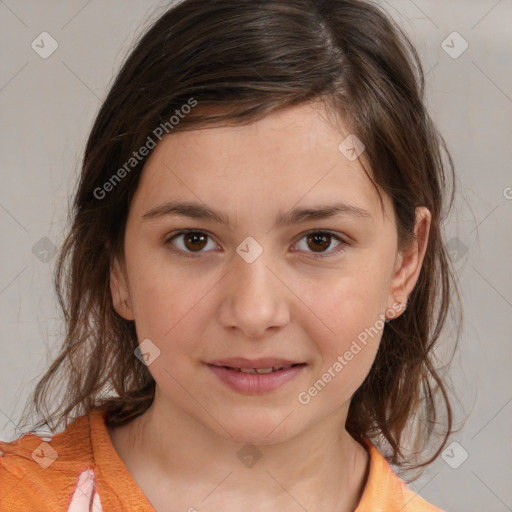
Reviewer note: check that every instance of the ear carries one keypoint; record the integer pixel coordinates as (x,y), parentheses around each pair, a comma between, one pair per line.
(120,291)
(409,263)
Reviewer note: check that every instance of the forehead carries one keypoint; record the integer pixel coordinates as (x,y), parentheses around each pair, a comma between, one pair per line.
(290,157)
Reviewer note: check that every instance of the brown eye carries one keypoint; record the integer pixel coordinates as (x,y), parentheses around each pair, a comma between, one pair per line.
(318,244)
(194,241)
(191,241)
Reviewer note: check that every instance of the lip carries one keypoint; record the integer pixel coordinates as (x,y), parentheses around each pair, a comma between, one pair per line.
(262,362)
(255,383)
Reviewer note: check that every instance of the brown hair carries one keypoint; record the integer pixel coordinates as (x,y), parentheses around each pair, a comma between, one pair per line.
(239,60)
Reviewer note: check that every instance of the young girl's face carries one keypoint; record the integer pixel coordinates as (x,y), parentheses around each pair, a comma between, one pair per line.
(261,281)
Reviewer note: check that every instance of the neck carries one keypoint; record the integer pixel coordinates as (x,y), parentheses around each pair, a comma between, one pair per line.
(319,468)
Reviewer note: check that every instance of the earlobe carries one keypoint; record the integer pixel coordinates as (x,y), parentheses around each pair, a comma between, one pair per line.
(120,291)
(409,262)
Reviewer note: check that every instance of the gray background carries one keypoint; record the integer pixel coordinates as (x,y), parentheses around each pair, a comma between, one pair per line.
(48,106)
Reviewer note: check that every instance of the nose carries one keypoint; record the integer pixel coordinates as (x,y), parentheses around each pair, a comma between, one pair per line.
(254,299)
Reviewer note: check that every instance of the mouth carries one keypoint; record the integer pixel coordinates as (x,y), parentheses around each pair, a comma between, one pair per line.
(255,376)
(270,369)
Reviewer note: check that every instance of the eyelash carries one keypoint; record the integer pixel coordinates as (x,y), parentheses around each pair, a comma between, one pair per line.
(337,250)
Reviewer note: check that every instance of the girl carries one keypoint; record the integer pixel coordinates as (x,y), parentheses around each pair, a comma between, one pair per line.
(255,278)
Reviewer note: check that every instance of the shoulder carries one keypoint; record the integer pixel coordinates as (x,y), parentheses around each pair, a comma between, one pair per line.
(385,491)
(42,474)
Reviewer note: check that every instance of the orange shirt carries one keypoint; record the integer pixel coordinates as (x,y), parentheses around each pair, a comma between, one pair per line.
(80,471)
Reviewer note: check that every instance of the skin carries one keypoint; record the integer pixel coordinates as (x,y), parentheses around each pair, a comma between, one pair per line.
(286,303)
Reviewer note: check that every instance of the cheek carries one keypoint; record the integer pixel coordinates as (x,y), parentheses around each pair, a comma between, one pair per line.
(348,321)
(167,304)
(345,357)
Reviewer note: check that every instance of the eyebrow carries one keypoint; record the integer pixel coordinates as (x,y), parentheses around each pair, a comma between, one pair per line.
(200,211)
